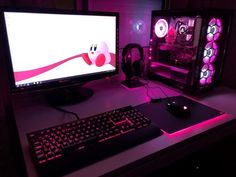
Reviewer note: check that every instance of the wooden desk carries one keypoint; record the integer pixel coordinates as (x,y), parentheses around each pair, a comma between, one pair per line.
(33,113)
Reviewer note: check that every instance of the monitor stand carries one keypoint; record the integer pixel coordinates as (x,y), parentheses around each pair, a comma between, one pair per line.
(69,95)
(132,83)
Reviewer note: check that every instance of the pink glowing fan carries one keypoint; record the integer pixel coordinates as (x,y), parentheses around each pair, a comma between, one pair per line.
(161,28)
(210,52)
(207,73)
(214,29)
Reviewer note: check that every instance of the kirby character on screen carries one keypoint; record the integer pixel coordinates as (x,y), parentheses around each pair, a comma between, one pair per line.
(99,54)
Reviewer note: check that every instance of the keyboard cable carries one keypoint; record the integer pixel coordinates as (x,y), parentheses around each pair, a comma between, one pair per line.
(66,111)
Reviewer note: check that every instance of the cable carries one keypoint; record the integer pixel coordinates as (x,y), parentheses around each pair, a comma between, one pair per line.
(153,87)
(66,111)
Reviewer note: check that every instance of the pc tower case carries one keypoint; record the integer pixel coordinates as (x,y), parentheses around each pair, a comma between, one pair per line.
(187,48)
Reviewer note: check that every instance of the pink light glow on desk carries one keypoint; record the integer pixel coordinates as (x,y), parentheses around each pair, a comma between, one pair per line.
(200,127)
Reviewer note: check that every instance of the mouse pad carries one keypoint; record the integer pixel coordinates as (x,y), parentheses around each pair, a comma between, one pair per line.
(170,123)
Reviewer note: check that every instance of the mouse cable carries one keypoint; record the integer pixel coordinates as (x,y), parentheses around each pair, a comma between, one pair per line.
(66,111)
(153,87)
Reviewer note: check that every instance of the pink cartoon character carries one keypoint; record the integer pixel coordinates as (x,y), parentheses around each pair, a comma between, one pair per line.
(171,36)
(99,54)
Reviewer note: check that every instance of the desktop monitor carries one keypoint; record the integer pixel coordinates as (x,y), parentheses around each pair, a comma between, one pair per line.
(51,49)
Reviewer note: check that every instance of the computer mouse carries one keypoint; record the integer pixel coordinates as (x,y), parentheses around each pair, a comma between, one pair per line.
(178,109)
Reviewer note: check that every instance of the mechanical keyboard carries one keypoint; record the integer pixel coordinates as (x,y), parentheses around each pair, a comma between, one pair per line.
(66,147)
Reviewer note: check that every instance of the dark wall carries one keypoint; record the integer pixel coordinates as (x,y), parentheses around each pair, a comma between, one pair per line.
(134,18)
(11,157)
(7,162)
(229,71)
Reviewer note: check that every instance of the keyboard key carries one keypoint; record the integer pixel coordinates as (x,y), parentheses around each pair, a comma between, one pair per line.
(89,139)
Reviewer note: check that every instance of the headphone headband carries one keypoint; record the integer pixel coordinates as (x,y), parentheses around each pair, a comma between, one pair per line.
(130,46)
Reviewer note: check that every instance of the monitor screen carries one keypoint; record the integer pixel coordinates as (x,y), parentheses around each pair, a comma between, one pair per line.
(52,49)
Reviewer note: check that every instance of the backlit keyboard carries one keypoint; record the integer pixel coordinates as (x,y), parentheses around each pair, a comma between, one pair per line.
(60,149)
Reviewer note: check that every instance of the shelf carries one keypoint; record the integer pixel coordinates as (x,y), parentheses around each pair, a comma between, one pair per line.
(164,74)
(166,46)
(170,72)
(173,68)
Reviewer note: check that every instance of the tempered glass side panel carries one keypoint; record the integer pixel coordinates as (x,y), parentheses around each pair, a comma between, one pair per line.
(175,39)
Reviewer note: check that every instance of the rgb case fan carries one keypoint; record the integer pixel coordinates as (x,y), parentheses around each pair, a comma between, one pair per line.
(187,48)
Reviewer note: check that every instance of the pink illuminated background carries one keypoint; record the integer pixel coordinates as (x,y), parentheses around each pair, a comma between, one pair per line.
(134,18)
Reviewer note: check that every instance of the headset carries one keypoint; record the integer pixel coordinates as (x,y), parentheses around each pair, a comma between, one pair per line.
(132,68)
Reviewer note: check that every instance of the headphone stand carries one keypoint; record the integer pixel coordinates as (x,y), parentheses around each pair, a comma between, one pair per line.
(132,83)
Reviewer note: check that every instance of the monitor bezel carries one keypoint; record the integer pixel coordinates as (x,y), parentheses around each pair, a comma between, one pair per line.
(63,82)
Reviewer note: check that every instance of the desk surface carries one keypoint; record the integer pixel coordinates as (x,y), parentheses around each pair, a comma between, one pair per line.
(33,113)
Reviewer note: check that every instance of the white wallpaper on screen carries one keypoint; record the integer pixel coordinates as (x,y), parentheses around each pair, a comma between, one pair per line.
(75,67)
(38,40)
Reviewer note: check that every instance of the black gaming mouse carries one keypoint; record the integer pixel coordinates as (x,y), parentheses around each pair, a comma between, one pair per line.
(178,109)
